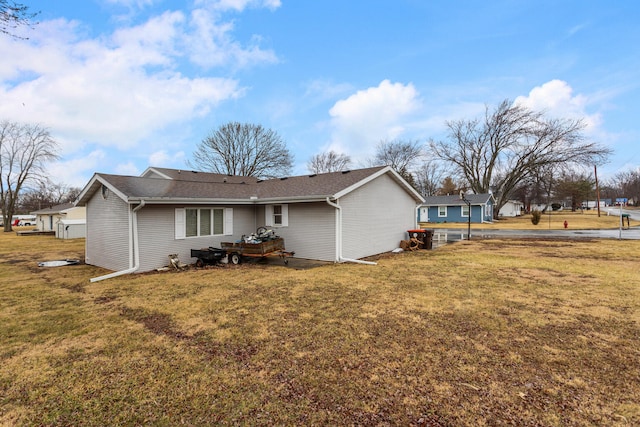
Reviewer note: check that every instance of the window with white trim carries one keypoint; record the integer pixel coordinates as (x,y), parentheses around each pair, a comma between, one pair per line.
(198,222)
(465,210)
(442,211)
(276,215)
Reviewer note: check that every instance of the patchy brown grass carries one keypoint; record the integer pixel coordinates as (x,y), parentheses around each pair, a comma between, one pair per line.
(579,220)
(483,332)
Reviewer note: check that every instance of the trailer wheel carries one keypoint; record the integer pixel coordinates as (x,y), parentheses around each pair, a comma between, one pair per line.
(236,258)
(199,263)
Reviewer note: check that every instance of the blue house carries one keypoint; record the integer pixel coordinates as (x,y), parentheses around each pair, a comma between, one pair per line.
(454,209)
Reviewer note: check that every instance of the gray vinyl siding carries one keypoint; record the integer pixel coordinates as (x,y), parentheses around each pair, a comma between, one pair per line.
(107,239)
(311,231)
(156,228)
(375,218)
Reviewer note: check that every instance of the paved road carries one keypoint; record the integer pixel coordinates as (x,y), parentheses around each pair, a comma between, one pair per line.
(448,235)
(633,214)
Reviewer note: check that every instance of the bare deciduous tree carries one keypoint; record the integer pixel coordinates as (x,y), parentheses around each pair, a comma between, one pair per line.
(509,144)
(243,149)
(628,183)
(24,151)
(14,15)
(401,155)
(328,162)
(45,195)
(428,177)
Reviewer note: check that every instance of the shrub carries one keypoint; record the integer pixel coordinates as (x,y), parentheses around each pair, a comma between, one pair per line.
(535,217)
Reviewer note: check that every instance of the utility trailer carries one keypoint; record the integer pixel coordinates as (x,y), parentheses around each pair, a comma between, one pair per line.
(267,248)
(208,256)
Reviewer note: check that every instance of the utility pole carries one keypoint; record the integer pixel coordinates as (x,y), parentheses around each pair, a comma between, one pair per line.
(595,171)
(468,202)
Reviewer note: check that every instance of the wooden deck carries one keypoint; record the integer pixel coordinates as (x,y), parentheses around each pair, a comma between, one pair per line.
(35,233)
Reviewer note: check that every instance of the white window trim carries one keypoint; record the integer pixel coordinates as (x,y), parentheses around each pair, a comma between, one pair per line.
(181,222)
(269,216)
(442,215)
(462,208)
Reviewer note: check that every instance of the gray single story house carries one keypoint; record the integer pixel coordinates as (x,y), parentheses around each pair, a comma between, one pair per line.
(135,222)
(453,209)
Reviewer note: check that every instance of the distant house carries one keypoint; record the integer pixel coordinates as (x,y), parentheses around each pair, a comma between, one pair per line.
(438,209)
(134,223)
(511,209)
(66,220)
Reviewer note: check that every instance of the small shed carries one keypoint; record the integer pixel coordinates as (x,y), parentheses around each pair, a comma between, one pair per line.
(71,228)
(511,209)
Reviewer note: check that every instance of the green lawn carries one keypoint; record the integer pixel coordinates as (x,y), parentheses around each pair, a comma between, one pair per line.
(483,332)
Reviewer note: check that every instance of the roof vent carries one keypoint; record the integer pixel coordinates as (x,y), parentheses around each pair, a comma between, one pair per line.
(347,171)
(283,178)
(311,176)
(260,180)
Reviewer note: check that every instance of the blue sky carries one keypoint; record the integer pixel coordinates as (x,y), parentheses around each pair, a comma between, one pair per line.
(127,84)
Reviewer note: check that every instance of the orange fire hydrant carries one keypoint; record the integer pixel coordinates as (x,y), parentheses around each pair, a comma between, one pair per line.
(566,224)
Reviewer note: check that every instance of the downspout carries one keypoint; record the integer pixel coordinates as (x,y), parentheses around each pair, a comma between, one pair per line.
(136,252)
(339,256)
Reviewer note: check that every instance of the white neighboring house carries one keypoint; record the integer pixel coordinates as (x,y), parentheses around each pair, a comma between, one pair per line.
(66,220)
(511,209)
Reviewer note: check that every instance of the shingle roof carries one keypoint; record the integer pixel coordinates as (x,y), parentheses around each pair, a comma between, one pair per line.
(475,199)
(203,186)
(53,209)
(196,176)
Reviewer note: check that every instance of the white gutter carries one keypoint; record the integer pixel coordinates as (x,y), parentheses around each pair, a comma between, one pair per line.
(339,257)
(133,242)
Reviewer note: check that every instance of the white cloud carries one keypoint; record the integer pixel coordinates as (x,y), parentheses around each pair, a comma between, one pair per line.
(238,5)
(128,168)
(74,171)
(163,158)
(556,98)
(119,89)
(211,43)
(371,115)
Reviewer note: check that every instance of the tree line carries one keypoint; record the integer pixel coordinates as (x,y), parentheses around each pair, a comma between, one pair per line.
(511,151)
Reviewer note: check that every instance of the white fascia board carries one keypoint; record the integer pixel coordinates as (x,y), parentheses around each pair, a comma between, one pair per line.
(94,185)
(297,199)
(188,201)
(198,201)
